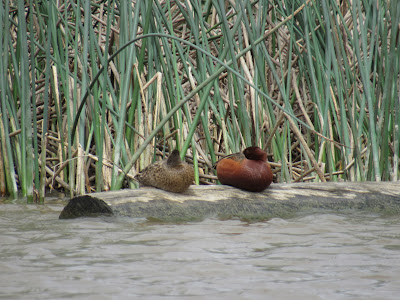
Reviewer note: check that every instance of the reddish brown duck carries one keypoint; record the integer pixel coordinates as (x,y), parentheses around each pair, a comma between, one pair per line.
(171,174)
(248,170)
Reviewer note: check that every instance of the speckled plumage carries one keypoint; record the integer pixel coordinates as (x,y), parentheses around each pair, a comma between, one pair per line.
(171,174)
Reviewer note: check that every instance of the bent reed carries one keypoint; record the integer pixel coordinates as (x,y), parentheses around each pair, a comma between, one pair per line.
(94,92)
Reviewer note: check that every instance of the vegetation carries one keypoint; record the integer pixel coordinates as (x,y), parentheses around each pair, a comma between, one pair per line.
(93,91)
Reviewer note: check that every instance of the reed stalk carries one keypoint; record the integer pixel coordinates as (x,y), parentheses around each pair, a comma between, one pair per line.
(92,92)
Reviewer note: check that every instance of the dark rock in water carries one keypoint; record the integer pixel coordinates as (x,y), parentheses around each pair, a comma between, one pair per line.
(85,206)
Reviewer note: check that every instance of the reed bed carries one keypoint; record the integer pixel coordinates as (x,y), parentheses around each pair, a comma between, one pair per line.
(93,91)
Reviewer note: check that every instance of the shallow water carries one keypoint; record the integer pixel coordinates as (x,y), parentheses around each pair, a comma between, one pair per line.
(321,255)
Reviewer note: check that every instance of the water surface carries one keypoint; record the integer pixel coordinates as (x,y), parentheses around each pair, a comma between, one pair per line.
(349,255)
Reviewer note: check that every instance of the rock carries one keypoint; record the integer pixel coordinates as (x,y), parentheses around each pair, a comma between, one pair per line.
(199,202)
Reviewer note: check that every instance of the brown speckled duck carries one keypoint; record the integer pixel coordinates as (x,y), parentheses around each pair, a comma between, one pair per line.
(171,174)
(248,170)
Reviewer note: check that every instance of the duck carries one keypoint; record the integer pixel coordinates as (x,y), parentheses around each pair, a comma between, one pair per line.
(248,170)
(170,174)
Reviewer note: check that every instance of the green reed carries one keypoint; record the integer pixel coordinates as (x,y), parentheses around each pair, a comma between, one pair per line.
(91,92)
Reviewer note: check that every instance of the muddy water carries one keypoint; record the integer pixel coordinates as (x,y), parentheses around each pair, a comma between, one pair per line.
(320,255)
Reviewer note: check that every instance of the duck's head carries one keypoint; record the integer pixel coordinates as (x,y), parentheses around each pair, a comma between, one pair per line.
(174,159)
(255,153)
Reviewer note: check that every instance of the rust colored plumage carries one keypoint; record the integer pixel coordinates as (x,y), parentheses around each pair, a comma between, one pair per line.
(171,174)
(248,170)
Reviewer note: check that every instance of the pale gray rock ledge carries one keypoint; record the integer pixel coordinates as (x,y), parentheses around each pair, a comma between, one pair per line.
(225,202)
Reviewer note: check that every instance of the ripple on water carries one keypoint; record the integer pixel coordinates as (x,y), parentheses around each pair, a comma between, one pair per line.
(316,256)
